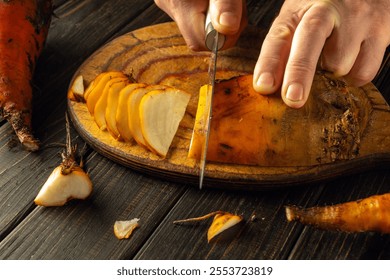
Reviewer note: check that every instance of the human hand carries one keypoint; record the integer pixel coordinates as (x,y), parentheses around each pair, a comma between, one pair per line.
(227,16)
(346,37)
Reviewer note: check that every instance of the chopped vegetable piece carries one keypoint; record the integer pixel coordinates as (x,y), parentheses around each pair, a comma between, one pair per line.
(123,229)
(223,222)
(67,181)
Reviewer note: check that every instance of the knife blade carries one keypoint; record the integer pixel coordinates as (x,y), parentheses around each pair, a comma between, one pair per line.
(214,41)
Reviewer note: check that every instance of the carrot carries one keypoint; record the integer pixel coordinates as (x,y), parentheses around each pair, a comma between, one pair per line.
(23,30)
(368,214)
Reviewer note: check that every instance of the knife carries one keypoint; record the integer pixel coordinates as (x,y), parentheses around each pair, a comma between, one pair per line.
(214,41)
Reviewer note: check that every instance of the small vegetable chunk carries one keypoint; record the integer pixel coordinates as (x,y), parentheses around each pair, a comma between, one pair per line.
(123,229)
(61,187)
(368,214)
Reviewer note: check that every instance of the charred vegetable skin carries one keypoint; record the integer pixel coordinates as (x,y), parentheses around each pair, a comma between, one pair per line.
(23,31)
(368,214)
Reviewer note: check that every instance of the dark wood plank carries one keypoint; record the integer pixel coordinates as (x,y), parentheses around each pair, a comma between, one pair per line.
(84,230)
(265,233)
(22,174)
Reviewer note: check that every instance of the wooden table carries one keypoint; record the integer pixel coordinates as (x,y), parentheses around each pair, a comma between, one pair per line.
(84,229)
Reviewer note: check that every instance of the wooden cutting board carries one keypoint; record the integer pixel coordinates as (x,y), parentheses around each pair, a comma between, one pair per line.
(334,143)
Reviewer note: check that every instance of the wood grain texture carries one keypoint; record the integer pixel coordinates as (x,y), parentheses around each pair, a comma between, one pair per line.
(83,230)
(340,127)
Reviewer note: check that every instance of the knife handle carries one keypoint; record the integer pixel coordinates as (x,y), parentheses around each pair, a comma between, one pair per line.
(210,34)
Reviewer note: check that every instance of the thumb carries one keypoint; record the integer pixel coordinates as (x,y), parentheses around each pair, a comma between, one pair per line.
(226,15)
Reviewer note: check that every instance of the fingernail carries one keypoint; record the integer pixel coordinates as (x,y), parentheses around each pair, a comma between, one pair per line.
(265,82)
(294,92)
(229,19)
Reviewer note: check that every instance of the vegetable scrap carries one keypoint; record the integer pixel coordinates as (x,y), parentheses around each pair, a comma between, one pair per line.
(221,227)
(124,229)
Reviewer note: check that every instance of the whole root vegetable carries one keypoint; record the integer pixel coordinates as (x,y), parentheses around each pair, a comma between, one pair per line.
(23,31)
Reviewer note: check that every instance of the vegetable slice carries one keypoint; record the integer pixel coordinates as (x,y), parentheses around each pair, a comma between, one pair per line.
(122,114)
(95,89)
(76,91)
(114,85)
(133,111)
(112,107)
(161,112)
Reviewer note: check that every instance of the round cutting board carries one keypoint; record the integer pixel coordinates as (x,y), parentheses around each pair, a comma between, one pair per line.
(158,55)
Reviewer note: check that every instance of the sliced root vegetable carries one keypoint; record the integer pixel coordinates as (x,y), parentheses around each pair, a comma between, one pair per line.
(122,114)
(198,133)
(114,100)
(134,101)
(112,108)
(161,112)
(113,85)
(96,87)
(67,181)
(123,229)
